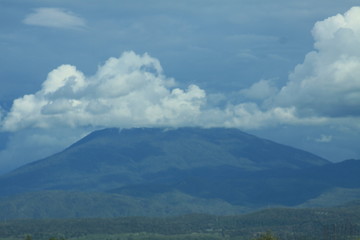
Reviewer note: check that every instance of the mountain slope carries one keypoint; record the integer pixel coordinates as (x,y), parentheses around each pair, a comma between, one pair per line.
(290,187)
(70,204)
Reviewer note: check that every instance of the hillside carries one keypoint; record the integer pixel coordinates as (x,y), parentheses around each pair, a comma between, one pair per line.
(159,172)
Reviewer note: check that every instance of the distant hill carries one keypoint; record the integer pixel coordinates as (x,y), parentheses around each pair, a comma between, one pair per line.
(153,171)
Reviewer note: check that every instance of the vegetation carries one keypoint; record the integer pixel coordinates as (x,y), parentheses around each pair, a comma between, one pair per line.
(272,224)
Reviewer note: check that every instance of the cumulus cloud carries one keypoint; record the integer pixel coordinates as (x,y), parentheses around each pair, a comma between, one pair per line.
(327,83)
(128,91)
(55,18)
(324,89)
(132,91)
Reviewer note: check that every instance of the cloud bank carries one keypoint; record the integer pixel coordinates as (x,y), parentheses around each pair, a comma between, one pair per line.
(129,91)
(133,91)
(55,18)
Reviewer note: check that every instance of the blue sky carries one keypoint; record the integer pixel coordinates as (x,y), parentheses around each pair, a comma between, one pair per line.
(284,70)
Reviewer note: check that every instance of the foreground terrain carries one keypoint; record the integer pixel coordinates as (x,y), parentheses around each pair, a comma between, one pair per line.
(341,222)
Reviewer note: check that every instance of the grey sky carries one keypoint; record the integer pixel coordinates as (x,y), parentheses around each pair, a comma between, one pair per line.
(235,51)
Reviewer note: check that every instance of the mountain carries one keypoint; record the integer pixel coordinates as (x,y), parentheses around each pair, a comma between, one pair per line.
(111,158)
(153,171)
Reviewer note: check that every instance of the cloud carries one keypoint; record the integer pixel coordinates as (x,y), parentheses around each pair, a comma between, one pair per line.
(324,138)
(260,90)
(132,91)
(55,18)
(128,91)
(324,89)
(249,115)
(327,83)
(2,113)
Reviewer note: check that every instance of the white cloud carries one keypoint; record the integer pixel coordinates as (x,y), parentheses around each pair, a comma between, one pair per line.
(128,91)
(131,91)
(327,83)
(324,138)
(260,90)
(250,116)
(324,89)
(55,18)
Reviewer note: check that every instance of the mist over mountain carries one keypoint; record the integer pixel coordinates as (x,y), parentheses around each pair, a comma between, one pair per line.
(156,171)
